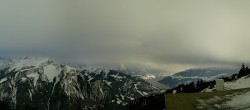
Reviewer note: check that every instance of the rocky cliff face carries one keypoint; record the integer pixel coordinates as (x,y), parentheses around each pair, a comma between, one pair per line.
(46,85)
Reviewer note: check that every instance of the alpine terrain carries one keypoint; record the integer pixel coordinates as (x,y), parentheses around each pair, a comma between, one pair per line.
(193,75)
(43,84)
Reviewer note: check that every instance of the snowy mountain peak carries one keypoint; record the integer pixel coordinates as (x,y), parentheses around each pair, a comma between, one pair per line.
(26,62)
(49,85)
(35,68)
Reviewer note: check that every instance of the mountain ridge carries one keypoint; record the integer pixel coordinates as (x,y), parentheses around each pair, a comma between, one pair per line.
(47,85)
(192,75)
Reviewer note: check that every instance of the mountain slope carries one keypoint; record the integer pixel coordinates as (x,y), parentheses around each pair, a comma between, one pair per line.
(47,85)
(243,82)
(192,75)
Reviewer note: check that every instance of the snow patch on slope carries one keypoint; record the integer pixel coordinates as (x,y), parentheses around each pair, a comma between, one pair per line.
(239,101)
(35,76)
(117,76)
(243,82)
(51,71)
(107,82)
(23,79)
(2,80)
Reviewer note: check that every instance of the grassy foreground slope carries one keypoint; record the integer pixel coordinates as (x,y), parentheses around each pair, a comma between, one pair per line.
(188,101)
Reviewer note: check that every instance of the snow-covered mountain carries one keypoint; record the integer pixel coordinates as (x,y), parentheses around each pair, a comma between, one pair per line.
(44,84)
(192,75)
(142,72)
(150,76)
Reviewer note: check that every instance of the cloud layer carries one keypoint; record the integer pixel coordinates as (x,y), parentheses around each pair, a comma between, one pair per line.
(167,35)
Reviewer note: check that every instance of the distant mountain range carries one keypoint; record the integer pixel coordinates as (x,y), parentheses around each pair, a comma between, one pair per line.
(45,85)
(192,75)
(151,76)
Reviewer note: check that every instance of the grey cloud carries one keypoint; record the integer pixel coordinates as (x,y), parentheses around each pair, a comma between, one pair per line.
(149,33)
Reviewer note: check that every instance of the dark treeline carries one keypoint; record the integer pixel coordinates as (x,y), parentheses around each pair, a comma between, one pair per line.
(244,71)
(192,87)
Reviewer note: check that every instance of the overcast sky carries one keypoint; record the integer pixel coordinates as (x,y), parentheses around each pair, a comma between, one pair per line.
(160,34)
